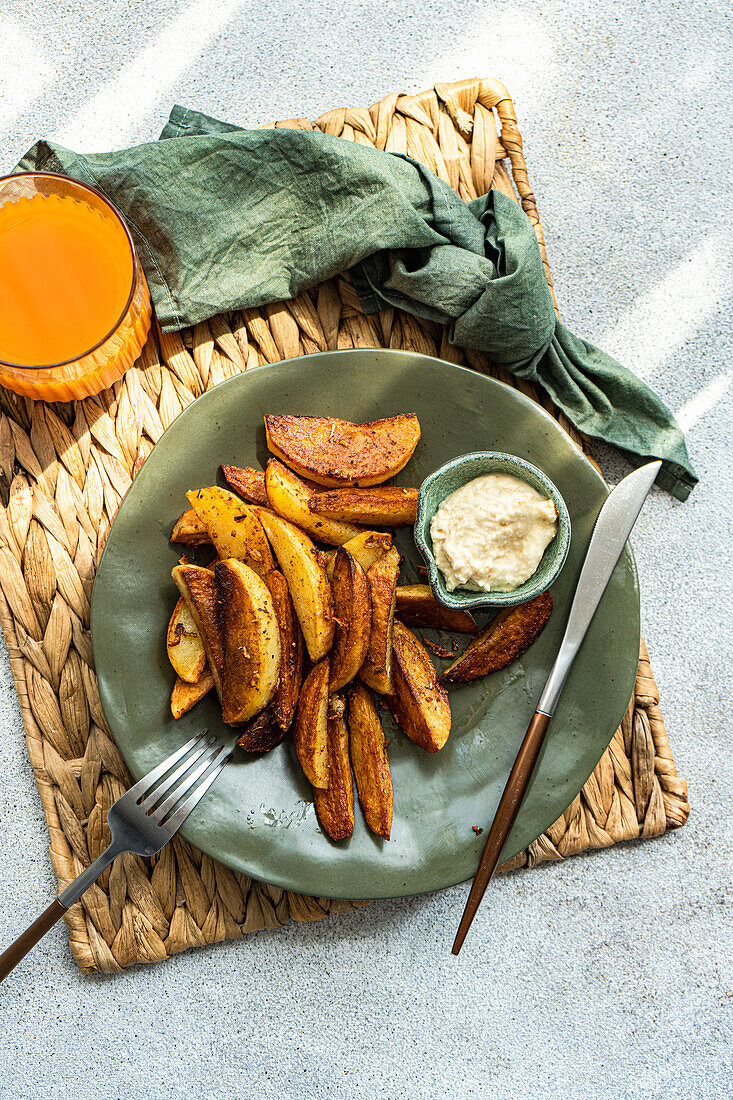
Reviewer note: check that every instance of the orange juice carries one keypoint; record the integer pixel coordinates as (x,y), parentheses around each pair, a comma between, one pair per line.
(74,306)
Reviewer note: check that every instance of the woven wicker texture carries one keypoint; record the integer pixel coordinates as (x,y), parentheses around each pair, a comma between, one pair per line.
(65,468)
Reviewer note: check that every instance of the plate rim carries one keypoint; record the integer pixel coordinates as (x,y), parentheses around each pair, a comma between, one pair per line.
(283,881)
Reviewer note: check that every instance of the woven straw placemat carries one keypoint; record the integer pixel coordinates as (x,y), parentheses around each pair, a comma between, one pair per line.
(63,471)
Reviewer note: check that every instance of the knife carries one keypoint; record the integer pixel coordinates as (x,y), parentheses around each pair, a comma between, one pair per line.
(613,527)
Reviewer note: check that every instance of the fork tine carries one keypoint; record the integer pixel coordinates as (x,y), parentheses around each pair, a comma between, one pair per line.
(145,783)
(155,795)
(176,820)
(188,783)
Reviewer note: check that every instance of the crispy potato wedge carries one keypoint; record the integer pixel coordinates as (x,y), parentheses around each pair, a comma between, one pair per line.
(336,452)
(183,643)
(249,483)
(376,670)
(251,641)
(417,606)
(420,702)
(367,548)
(310,730)
(386,505)
(507,637)
(370,762)
(353,617)
(201,594)
(285,699)
(189,530)
(289,497)
(233,527)
(307,581)
(185,696)
(261,733)
(335,805)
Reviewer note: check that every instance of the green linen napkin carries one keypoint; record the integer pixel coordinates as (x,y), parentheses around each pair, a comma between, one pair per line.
(225,218)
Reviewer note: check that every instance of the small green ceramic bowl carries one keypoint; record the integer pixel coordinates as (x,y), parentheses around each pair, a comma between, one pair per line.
(458,472)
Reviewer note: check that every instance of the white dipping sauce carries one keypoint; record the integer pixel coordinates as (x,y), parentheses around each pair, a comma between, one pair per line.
(490,534)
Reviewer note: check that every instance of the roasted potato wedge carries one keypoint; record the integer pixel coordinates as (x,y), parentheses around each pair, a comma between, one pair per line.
(285,699)
(307,581)
(507,637)
(233,527)
(367,548)
(289,497)
(376,670)
(251,641)
(417,606)
(419,703)
(310,730)
(335,805)
(353,617)
(370,762)
(336,452)
(183,643)
(189,530)
(185,696)
(201,594)
(261,733)
(249,483)
(385,505)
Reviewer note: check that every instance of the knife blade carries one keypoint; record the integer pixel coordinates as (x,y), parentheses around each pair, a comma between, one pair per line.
(610,534)
(612,529)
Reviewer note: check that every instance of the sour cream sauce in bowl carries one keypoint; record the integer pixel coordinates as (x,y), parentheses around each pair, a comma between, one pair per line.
(490,534)
(493,531)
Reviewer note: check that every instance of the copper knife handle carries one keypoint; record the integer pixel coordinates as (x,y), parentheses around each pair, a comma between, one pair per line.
(18,950)
(506,814)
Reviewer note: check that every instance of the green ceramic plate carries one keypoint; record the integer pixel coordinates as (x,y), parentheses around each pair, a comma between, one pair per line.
(258,817)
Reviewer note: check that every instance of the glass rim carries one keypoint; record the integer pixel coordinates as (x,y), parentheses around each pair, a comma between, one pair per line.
(135,267)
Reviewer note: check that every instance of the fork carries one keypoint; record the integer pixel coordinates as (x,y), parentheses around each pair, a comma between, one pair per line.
(142,821)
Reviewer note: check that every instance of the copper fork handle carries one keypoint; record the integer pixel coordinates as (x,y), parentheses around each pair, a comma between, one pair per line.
(18,950)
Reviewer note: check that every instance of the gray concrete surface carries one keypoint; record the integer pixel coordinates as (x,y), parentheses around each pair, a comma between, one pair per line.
(608,976)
